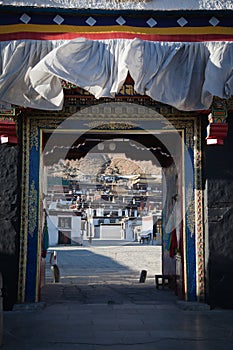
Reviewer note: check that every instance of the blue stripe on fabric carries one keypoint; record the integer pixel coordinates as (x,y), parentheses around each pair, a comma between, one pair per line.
(109,19)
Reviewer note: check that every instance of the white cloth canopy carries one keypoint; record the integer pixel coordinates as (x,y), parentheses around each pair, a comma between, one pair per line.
(98,67)
(16,61)
(183,75)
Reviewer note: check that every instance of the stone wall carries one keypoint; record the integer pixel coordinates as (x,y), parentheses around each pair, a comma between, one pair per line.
(219,194)
(9,222)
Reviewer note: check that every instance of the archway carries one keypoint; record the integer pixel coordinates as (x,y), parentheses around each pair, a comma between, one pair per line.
(181,161)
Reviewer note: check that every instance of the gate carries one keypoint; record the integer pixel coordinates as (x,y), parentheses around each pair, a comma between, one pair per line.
(41,132)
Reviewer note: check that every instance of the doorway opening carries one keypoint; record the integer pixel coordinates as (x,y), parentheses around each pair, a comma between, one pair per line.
(114,173)
(110,197)
(103,206)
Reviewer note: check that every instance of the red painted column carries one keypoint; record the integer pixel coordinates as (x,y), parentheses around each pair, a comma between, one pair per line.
(218,127)
(8,133)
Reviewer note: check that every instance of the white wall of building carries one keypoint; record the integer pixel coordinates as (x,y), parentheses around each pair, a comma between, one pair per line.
(134,5)
(76,229)
(111,231)
(129,232)
(147,223)
(52,222)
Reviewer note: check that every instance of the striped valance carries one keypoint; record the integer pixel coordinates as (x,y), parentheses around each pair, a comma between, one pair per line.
(186,26)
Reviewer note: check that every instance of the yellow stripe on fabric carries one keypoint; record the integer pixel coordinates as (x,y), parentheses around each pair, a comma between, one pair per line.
(37,28)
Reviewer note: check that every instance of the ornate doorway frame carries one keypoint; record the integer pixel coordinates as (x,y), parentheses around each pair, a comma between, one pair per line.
(35,123)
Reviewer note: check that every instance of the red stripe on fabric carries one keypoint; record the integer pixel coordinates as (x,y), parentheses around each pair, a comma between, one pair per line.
(118,35)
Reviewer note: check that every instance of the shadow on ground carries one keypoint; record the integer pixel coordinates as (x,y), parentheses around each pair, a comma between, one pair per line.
(106,294)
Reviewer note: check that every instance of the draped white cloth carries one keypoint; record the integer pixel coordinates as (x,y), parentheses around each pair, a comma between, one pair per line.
(16,61)
(98,67)
(183,75)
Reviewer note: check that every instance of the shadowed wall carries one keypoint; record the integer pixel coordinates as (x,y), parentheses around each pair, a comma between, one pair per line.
(219,187)
(9,222)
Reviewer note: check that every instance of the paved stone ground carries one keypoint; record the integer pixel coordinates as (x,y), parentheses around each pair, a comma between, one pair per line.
(103,261)
(106,272)
(106,294)
(70,326)
(103,306)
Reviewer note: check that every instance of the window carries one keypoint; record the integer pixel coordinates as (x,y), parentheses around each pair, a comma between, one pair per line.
(64,222)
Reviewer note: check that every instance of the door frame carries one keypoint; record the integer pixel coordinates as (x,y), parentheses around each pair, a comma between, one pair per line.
(107,118)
